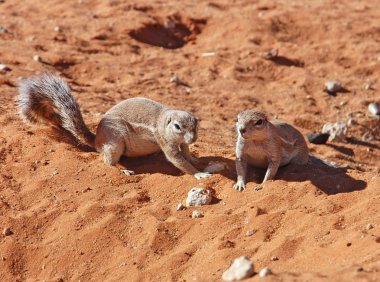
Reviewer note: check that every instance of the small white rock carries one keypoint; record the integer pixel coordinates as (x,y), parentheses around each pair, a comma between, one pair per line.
(213,167)
(197,214)
(271,54)
(367,85)
(37,58)
(265,272)
(249,233)
(369,226)
(7,231)
(337,131)
(208,54)
(240,269)
(180,207)
(351,122)
(198,197)
(57,29)
(274,258)
(374,109)
(367,137)
(333,86)
(3,29)
(4,68)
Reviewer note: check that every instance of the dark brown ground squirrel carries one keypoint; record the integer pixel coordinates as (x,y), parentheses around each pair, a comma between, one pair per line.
(134,127)
(266,144)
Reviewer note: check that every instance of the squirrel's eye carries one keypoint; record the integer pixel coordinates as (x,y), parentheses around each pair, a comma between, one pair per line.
(259,122)
(177,126)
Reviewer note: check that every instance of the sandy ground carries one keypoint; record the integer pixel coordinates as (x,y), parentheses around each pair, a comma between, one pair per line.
(75,219)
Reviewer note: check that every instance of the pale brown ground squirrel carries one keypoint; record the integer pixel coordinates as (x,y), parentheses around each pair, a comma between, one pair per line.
(266,144)
(134,127)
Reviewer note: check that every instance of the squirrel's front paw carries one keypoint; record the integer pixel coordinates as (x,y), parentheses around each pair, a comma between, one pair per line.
(239,186)
(127,172)
(200,175)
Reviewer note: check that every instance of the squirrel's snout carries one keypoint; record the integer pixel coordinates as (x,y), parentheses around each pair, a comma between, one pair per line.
(190,138)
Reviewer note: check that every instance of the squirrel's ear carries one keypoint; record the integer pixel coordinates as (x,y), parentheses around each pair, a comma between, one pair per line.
(168,120)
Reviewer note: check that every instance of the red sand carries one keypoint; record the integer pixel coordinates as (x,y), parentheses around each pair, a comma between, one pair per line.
(74,218)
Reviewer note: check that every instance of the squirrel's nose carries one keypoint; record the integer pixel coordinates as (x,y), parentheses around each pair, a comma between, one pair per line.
(242,130)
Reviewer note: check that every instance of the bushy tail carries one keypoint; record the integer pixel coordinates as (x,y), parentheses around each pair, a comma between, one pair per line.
(47,99)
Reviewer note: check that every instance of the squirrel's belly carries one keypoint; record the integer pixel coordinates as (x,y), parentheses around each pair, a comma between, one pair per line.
(137,146)
(258,159)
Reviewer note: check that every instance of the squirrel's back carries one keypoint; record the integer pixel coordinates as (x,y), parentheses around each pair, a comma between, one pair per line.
(48,99)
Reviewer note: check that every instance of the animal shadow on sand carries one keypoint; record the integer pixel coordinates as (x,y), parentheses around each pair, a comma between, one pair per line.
(157,163)
(329,180)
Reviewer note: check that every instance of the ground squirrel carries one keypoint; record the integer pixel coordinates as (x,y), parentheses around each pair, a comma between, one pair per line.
(134,127)
(266,144)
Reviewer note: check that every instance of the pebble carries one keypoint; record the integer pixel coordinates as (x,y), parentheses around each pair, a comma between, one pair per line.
(57,29)
(367,137)
(369,226)
(4,68)
(337,131)
(208,54)
(180,207)
(7,231)
(198,197)
(213,167)
(3,29)
(37,58)
(270,54)
(274,258)
(374,109)
(317,138)
(265,272)
(367,85)
(240,269)
(333,86)
(258,188)
(249,233)
(351,122)
(197,214)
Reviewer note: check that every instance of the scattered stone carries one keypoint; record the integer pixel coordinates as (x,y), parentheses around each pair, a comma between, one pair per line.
(351,122)
(250,233)
(208,54)
(265,272)
(367,85)
(213,167)
(180,207)
(3,29)
(258,188)
(360,269)
(348,244)
(369,226)
(198,197)
(333,86)
(7,231)
(374,109)
(274,258)
(37,58)
(57,29)
(197,214)
(343,103)
(367,137)
(240,269)
(4,68)
(337,131)
(270,54)
(317,138)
